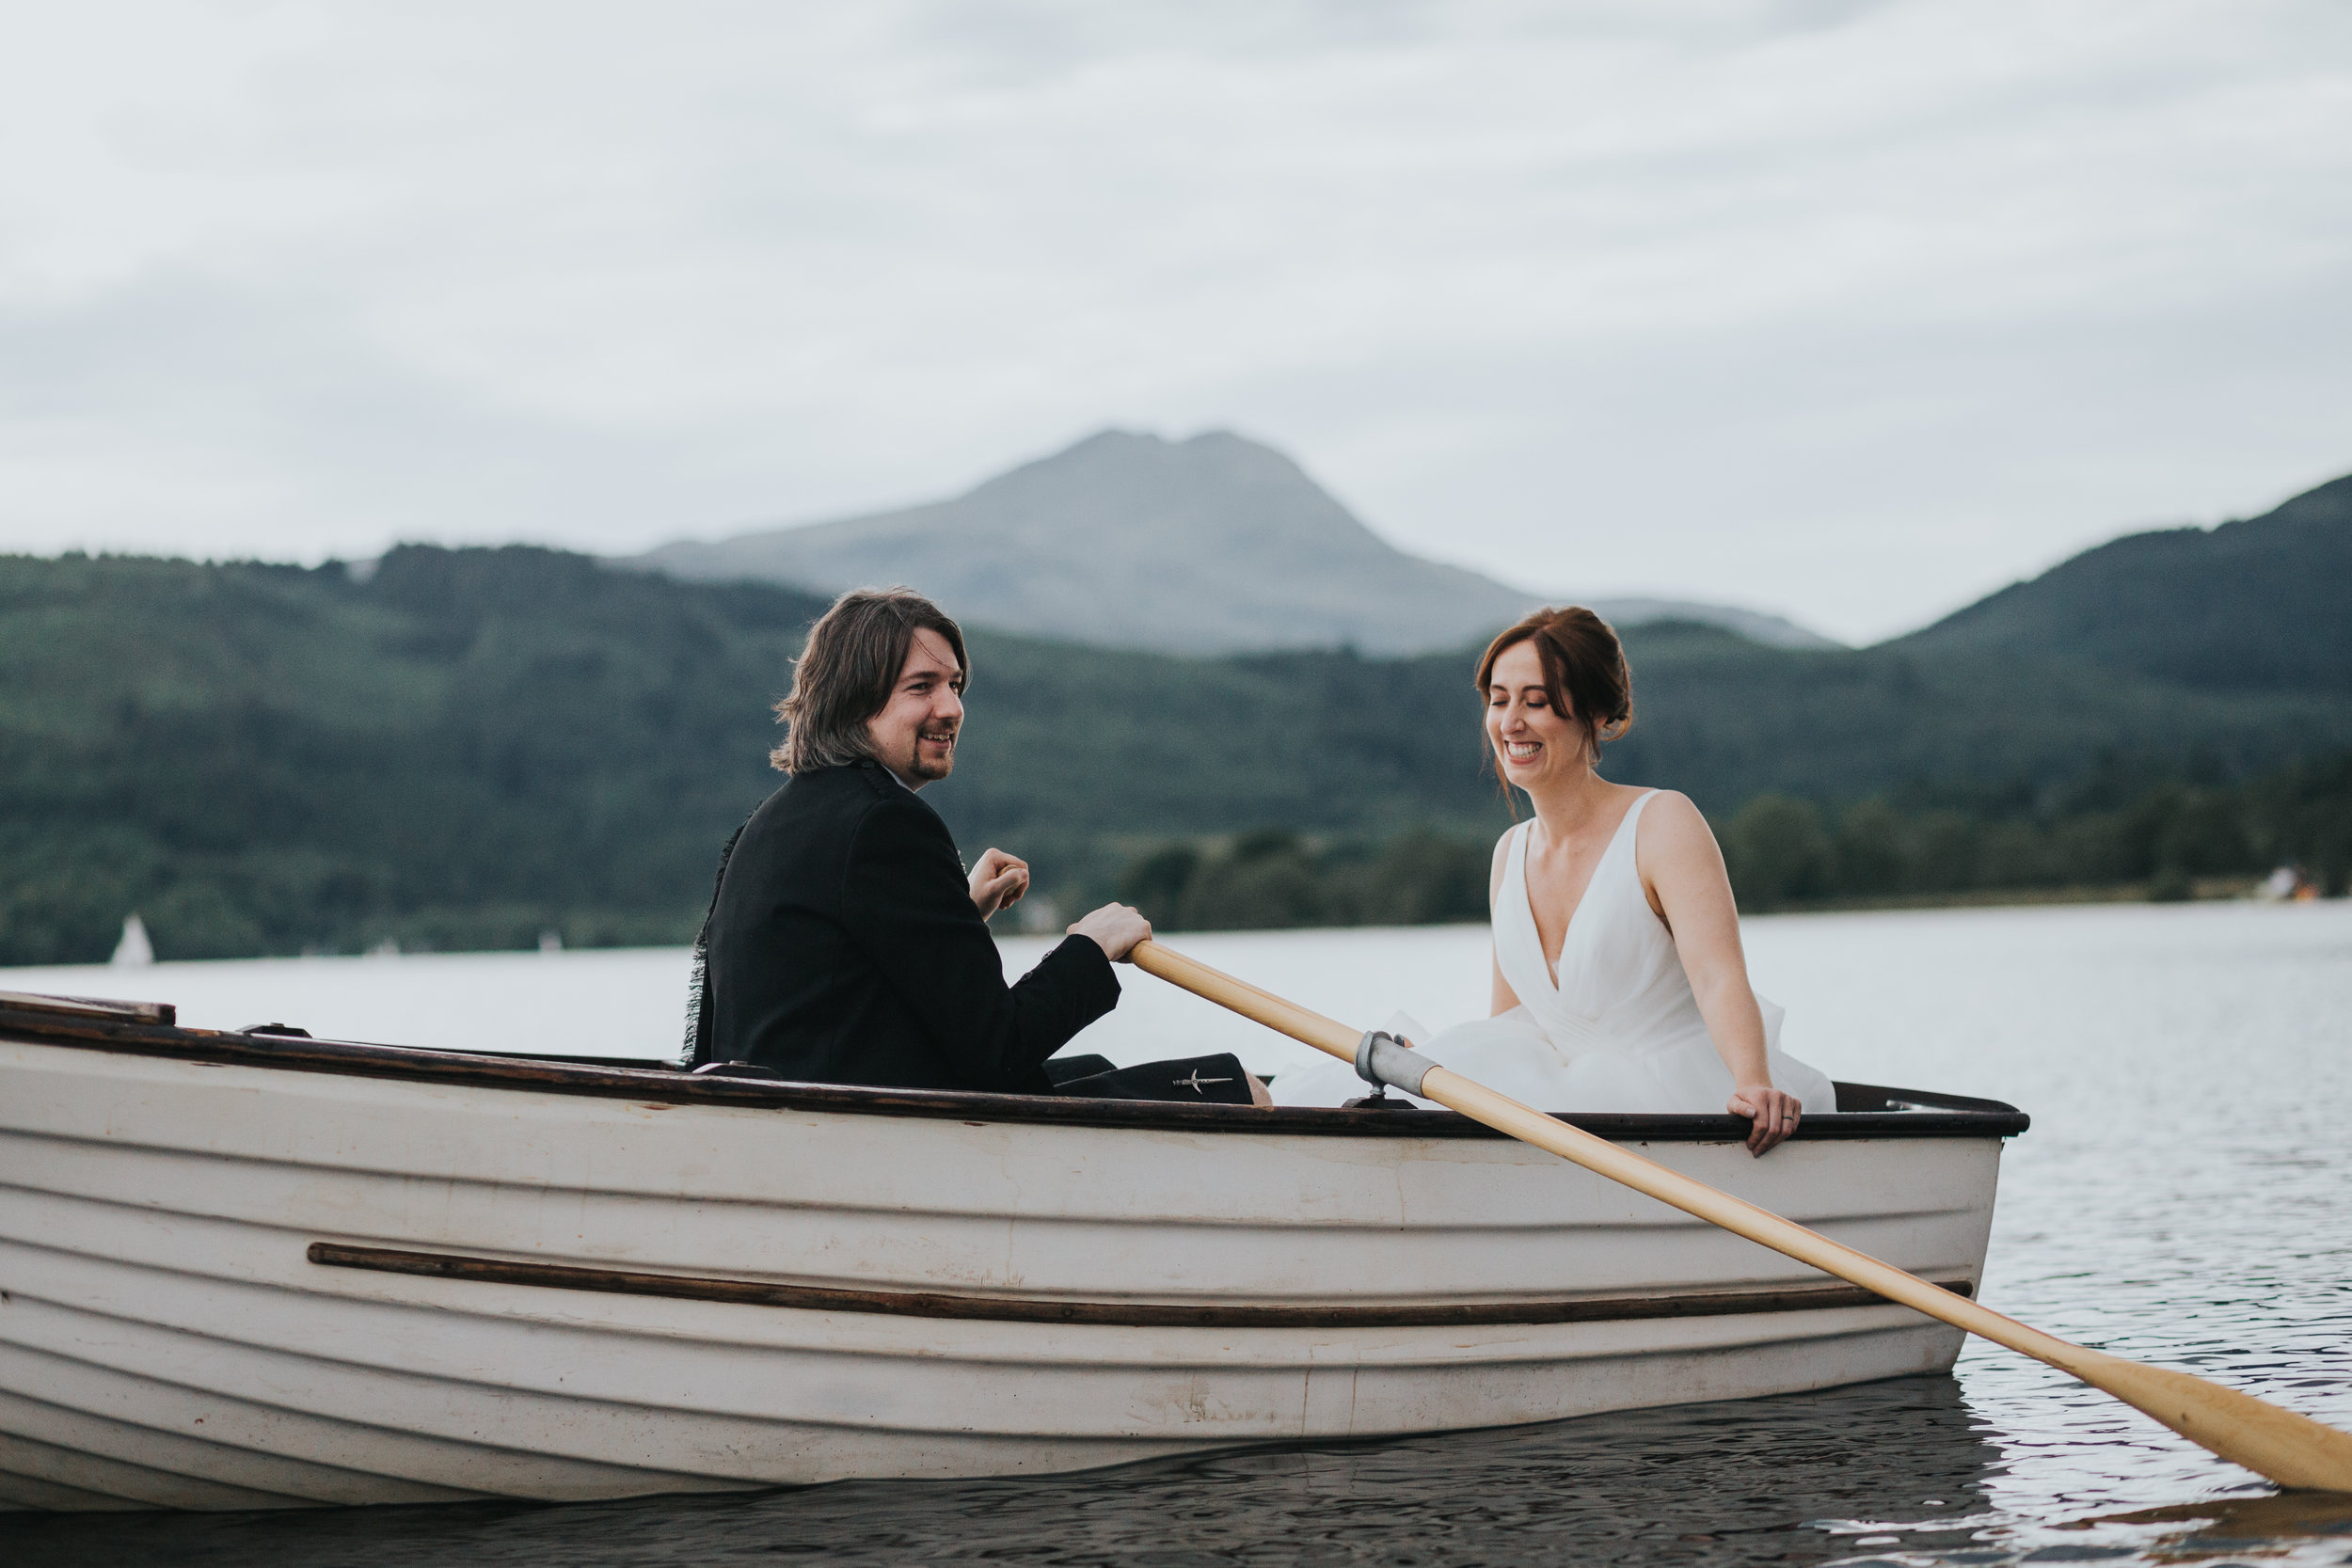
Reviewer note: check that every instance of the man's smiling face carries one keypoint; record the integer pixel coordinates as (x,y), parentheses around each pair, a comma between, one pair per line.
(914,734)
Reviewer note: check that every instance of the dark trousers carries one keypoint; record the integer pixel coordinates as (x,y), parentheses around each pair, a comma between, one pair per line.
(1214,1080)
(1217,1080)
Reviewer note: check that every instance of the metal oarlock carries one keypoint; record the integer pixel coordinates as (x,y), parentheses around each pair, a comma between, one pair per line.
(1381,1058)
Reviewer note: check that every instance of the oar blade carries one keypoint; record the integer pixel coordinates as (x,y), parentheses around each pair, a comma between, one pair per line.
(2291,1449)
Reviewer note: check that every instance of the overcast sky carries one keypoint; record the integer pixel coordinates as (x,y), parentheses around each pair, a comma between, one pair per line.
(1846,311)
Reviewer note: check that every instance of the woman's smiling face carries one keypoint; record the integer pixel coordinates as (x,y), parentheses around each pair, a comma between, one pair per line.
(1533,742)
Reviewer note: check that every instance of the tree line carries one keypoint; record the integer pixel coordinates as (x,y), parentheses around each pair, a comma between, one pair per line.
(464,749)
(2132,829)
(2160,836)
(1276,878)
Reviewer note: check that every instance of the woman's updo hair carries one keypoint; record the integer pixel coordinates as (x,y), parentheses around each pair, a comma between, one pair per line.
(1585,670)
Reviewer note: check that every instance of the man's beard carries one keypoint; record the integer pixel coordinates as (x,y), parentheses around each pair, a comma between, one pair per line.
(923,768)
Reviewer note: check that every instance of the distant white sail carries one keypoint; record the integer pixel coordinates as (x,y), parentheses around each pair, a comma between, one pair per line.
(133,949)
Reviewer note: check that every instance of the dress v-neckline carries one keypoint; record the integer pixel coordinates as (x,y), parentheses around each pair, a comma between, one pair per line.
(1526,891)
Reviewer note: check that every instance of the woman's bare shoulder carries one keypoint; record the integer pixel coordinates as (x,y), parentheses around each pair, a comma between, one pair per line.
(1670,803)
(1673,819)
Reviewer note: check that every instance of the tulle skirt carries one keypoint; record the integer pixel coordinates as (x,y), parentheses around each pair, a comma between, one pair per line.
(1511,1053)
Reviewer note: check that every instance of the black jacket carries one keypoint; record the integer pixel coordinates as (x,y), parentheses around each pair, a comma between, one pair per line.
(843,947)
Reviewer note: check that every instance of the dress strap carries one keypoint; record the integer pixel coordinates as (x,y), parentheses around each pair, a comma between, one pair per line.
(1519,950)
(1631,830)
(1630,841)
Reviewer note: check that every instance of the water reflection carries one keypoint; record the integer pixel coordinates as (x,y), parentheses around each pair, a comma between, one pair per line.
(1761,1480)
(1893,1475)
(2272,1526)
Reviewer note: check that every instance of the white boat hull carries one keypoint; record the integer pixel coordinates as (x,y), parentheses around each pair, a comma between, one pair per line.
(166,1341)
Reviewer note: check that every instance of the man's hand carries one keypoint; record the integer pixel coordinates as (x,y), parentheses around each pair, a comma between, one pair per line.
(1115,928)
(1774,1113)
(998,882)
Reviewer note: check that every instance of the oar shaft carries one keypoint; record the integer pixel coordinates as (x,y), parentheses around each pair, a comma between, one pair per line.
(2290,1449)
(1260,1007)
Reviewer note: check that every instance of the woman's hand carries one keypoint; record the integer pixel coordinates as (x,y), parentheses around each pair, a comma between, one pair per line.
(998,882)
(1772,1112)
(1115,928)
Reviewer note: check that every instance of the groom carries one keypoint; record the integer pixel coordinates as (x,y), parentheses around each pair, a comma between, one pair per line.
(847,944)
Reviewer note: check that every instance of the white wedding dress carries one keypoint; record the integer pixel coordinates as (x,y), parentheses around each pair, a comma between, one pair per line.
(1619,1031)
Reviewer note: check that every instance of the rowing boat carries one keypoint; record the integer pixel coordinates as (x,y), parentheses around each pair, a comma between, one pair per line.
(252,1270)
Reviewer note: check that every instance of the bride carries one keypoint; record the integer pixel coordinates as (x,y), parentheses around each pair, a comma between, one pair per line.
(1620,983)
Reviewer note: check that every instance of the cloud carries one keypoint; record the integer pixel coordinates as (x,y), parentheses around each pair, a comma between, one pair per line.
(1850,310)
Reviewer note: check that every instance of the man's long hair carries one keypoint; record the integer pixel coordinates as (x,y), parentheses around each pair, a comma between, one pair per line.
(844,674)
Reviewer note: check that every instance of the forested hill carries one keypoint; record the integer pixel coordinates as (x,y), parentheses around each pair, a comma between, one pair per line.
(470,747)
(2254,606)
(467,747)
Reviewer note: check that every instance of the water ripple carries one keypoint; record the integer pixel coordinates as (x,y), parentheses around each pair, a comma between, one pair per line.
(2181,1200)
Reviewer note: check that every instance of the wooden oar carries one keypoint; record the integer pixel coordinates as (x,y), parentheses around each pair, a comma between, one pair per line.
(2291,1449)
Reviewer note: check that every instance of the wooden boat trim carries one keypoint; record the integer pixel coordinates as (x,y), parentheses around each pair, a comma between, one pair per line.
(90,1006)
(1867,1110)
(925,1304)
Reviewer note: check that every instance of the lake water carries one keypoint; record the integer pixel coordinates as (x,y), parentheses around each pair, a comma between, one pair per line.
(2182,1198)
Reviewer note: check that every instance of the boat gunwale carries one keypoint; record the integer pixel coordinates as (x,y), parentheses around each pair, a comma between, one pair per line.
(1938,1115)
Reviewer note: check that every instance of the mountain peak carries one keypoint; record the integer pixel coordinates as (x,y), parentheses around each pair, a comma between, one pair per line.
(1212,544)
